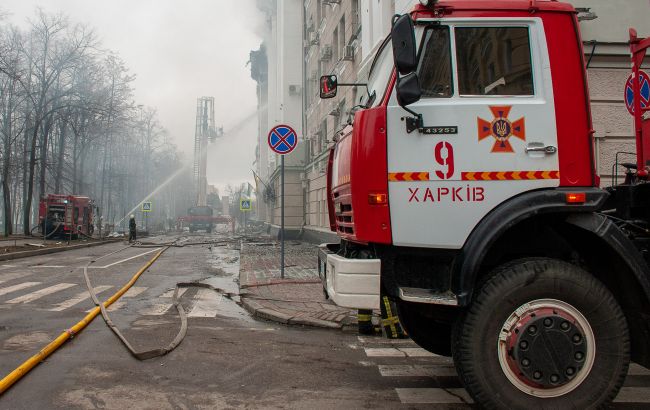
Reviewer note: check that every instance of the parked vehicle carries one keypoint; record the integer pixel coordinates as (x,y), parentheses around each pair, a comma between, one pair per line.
(66,215)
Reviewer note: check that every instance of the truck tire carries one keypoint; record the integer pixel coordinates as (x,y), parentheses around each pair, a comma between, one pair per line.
(427,333)
(542,333)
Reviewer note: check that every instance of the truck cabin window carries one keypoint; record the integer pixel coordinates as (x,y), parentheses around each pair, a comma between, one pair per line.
(494,61)
(434,68)
(381,70)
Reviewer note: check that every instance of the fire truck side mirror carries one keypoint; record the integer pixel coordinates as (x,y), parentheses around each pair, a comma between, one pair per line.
(328,86)
(403,40)
(408,89)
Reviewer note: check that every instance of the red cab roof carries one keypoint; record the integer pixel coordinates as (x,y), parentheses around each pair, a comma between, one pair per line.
(490,5)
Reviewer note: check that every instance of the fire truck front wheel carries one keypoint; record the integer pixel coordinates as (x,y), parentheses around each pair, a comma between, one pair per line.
(542,333)
(429,334)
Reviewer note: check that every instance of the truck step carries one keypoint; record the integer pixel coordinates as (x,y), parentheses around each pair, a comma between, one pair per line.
(430,296)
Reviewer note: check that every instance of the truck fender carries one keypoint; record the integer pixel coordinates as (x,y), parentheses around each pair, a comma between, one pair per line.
(467,264)
(616,239)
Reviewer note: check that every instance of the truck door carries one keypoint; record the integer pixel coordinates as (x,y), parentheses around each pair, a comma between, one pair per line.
(490,130)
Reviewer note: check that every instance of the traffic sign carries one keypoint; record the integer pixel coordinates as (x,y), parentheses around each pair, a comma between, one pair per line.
(245,205)
(146,207)
(282,139)
(644,80)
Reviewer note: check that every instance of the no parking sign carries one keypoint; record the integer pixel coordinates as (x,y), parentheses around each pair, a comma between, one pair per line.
(282,139)
(644,82)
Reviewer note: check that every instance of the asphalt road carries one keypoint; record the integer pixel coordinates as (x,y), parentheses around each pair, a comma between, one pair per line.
(227,359)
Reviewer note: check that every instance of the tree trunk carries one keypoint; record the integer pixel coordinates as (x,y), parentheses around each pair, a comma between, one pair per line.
(61,157)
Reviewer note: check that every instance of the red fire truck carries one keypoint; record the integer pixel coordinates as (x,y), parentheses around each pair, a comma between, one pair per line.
(66,215)
(466,192)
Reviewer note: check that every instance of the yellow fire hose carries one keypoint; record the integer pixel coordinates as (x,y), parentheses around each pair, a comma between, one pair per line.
(29,364)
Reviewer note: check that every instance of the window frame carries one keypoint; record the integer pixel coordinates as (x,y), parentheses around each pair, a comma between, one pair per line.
(533,63)
(452,66)
(535,31)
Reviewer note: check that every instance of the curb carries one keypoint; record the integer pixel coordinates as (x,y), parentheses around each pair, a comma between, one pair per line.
(38,252)
(259,311)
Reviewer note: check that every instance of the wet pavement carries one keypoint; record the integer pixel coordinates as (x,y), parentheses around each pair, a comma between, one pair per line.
(297,298)
(227,359)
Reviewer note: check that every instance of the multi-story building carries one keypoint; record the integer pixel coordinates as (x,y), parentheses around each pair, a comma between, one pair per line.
(340,38)
(332,46)
(278,69)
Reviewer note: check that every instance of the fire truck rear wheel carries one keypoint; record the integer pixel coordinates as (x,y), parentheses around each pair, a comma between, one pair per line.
(542,333)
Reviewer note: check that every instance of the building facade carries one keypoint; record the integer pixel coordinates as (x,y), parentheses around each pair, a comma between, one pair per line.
(278,70)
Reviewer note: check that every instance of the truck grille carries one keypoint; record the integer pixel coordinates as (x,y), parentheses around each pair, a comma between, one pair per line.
(344,214)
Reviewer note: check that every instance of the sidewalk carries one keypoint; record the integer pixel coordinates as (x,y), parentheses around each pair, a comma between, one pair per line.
(17,248)
(298,298)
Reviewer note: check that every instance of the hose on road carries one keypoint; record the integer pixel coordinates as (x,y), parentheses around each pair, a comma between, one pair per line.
(144,354)
(33,361)
(10,379)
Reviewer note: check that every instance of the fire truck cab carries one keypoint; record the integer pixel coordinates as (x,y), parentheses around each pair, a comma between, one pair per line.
(466,192)
(66,215)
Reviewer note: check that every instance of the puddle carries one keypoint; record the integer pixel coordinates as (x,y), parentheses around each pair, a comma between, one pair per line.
(229,308)
(223,264)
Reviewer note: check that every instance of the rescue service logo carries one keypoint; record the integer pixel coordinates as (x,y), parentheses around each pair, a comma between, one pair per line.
(501,129)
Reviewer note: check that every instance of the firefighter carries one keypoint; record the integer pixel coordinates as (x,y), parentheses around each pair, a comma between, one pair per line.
(132,228)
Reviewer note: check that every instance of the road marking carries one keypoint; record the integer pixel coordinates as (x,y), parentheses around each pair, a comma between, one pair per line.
(170,293)
(30,297)
(9,266)
(6,277)
(383,352)
(638,370)
(207,303)
(633,395)
(158,309)
(380,340)
(417,352)
(131,293)
(48,266)
(124,260)
(17,287)
(405,370)
(79,297)
(433,396)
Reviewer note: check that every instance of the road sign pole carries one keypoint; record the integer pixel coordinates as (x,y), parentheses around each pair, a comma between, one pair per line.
(282,217)
(282,140)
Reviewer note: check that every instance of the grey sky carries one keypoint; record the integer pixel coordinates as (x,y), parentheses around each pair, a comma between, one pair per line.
(179,50)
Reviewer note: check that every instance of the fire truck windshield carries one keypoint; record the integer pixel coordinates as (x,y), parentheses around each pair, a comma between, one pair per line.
(380,73)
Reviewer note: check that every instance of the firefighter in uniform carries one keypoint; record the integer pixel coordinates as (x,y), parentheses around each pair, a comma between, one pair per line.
(390,324)
(132,228)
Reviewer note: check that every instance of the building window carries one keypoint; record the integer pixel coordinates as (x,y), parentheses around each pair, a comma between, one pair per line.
(434,69)
(335,46)
(341,38)
(342,115)
(322,136)
(494,61)
(356,16)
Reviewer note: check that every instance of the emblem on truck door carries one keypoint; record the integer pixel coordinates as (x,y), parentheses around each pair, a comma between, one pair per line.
(501,129)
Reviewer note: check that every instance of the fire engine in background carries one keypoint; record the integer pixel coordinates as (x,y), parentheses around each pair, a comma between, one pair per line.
(466,191)
(200,217)
(66,215)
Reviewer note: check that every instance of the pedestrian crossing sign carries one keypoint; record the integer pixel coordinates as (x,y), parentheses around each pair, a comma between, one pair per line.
(146,207)
(245,205)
